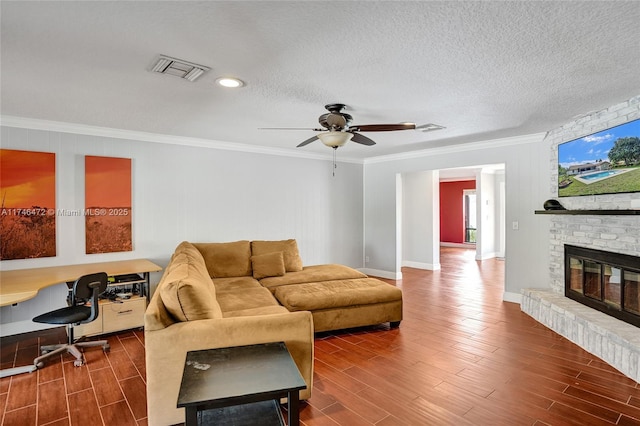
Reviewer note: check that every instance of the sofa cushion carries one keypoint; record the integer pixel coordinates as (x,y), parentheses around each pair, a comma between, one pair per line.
(226,259)
(193,257)
(189,249)
(268,265)
(336,294)
(230,283)
(187,291)
(289,249)
(264,310)
(313,273)
(245,298)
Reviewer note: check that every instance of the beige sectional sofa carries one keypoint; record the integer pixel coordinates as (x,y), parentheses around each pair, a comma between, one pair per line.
(215,295)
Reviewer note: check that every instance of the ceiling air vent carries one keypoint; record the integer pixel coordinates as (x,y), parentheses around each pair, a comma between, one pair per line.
(179,68)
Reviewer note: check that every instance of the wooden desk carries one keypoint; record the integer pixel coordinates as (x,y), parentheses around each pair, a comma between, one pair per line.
(24,284)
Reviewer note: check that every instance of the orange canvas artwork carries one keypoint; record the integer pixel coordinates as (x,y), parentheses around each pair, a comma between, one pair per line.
(108,214)
(28,215)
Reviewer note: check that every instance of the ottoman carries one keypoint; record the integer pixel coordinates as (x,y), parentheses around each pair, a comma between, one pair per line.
(342,304)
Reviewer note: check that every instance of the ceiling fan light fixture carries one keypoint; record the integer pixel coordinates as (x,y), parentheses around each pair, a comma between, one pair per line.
(429,127)
(335,139)
(230,82)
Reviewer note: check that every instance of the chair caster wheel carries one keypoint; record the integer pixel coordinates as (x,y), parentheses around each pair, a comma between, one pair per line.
(78,363)
(44,352)
(40,364)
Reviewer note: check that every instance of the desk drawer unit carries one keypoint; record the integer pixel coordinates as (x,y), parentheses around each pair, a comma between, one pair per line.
(115,316)
(122,316)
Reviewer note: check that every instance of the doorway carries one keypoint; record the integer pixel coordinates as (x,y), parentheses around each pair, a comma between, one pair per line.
(469,215)
(475,212)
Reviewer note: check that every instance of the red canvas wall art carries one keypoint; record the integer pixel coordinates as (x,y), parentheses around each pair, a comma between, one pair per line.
(108,214)
(28,197)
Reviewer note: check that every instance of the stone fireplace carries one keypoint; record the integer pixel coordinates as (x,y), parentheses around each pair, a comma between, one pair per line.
(613,340)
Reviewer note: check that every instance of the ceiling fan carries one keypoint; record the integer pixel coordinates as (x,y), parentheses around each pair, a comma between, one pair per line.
(337,128)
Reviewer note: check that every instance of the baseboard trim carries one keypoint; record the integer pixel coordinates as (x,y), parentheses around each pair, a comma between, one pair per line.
(382,274)
(19,327)
(421,265)
(486,256)
(508,296)
(470,246)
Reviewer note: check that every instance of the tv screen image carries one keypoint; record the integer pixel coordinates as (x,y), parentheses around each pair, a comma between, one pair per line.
(606,162)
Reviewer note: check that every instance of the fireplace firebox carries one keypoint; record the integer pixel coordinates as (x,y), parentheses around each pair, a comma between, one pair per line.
(602,280)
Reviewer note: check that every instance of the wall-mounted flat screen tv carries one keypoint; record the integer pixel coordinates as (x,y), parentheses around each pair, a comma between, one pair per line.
(606,162)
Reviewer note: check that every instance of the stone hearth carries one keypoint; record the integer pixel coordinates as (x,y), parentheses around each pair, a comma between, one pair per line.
(608,338)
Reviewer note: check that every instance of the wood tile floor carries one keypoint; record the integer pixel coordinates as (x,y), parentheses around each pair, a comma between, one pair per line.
(460,357)
(108,390)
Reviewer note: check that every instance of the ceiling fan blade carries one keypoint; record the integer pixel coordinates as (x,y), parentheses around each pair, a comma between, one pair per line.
(362,140)
(307,142)
(384,127)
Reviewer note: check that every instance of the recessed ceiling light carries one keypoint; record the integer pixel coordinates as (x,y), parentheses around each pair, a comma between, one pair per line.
(230,82)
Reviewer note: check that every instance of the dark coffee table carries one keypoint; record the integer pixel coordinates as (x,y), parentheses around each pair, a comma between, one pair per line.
(240,385)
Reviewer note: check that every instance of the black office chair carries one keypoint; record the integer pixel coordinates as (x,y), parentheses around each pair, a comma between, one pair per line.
(85,291)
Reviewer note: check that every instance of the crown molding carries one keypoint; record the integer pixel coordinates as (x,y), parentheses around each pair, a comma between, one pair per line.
(84,129)
(492,143)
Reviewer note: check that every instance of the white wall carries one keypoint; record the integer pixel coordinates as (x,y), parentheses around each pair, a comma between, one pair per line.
(196,194)
(526,162)
(486,201)
(421,220)
(501,225)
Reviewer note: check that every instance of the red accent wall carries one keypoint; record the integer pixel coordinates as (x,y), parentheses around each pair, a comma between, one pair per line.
(451,210)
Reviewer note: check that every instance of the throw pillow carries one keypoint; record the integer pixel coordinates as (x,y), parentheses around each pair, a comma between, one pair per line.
(225,260)
(268,265)
(289,249)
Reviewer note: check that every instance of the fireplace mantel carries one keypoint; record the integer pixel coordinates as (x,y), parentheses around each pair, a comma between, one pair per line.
(590,212)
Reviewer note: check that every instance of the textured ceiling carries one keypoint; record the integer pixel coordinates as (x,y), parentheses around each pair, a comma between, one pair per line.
(484,70)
